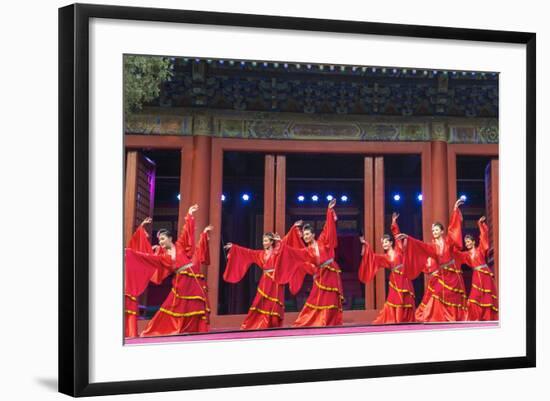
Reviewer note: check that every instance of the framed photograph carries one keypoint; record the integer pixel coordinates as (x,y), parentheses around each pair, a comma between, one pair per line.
(277,199)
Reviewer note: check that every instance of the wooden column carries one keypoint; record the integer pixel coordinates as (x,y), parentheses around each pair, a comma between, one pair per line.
(369,223)
(426,192)
(186,167)
(280,195)
(130,194)
(215,210)
(493,217)
(440,185)
(200,174)
(379,214)
(269,194)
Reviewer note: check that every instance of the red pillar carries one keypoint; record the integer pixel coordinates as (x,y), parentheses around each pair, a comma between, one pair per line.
(440,183)
(200,174)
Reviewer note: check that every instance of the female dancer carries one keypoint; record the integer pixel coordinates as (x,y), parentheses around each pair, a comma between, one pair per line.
(483,300)
(267,309)
(323,306)
(399,305)
(185,309)
(445,297)
(141,266)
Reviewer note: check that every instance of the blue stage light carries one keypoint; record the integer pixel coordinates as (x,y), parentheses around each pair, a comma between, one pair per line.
(223,198)
(314,198)
(179,196)
(463,197)
(344,198)
(245,197)
(301,198)
(419,197)
(396,197)
(330,197)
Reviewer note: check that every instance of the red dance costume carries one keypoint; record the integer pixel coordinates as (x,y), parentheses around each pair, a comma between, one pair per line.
(185,309)
(445,298)
(267,309)
(399,305)
(483,299)
(323,306)
(141,266)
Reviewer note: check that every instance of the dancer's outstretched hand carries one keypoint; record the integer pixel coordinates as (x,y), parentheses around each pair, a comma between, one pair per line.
(332,203)
(459,202)
(394,217)
(208,228)
(401,236)
(362,239)
(482,219)
(145,221)
(193,209)
(299,223)
(276,237)
(228,246)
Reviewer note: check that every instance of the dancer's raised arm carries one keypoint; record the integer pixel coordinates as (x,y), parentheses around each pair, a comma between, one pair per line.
(395,231)
(139,241)
(370,262)
(454,231)
(186,239)
(329,235)
(483,235)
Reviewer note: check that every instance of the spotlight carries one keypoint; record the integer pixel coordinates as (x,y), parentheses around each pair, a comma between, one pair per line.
(223,197)
(463,198)
(397,197)
(419,197)
(179,196)
(330,197)
(314,198)
(344,198)
(301,198)
(245,197)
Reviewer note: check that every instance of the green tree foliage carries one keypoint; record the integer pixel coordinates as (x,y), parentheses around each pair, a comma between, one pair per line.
(143,76)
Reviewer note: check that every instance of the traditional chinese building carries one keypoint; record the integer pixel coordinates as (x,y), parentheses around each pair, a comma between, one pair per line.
(259,145)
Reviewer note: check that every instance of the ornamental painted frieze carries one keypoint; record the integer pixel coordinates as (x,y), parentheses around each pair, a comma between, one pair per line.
(280,129)
(247,125)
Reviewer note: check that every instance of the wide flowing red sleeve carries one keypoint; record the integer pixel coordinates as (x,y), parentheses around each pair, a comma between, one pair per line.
(202,253)
(186,239)
(371,263)
(483,246)
(463,258)
(454,231)
(415,256)
(140,241)
(395,231)
(294,240)
(329,236)
(292,263)
(239,260)
(139,269)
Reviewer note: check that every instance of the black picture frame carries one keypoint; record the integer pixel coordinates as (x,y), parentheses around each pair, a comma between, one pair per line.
(74,200)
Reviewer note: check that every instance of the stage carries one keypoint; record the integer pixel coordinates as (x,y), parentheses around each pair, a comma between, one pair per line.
(231,334)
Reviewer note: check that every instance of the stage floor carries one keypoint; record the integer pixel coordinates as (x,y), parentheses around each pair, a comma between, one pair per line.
(232,334)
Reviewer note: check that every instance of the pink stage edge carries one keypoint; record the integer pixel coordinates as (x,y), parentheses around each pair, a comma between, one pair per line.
(291,332)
